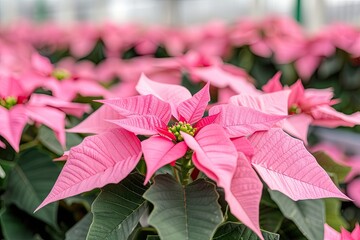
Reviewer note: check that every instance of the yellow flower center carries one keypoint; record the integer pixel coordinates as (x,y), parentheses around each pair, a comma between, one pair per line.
(183,127)
(8,102)
(294,109)
(61,74)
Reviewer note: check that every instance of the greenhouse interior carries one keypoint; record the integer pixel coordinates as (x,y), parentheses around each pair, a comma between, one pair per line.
(180,119)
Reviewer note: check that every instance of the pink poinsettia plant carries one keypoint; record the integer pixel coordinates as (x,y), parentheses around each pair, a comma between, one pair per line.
(19,107)
(65,81)
(304,107)
(165,126)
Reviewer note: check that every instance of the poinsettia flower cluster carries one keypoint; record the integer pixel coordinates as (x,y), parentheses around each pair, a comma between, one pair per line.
(281,38)
(230,146)
(19,104)
(19,107)
(66,80)
(226,79)
(304,107)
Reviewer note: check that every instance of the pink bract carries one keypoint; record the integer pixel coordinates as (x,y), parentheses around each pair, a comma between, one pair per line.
(331,234)
(353,190)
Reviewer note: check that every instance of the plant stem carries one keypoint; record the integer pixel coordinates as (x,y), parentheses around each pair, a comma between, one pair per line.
(176,174)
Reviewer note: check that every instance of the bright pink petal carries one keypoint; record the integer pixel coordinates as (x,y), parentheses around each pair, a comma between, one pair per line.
(274,84)
(307,65)
(242,121)
(356,232)
(12,123)
(11,86)
(297,126)
(353,190)
(345,235)
(215,154)
(211,74)
(354,163)
(63,89)
(97,121)
(242,86)
(193,109)
(51,117)
(165,133)
(41,64)
(159,151)
(244,194)
(219,77)
(326,116)
(140,105)
(97,161)
(172,94)
(314,97)
(89,88)
(123,89)
(142,125)
(206,121)
(330,233)
(243,145)
(76,109)
(271,103)
(261,48)
(285,165)
(224,94)
(297,93)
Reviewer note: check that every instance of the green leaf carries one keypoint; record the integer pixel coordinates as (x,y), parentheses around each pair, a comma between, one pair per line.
(189,84)
(289,230)
(270,218)
(237,231)
(349,77)
(184,212)
(245,58)
(6,166)
(289,74)
(30,180)
(118,208)
(333,214)
(331,166)
(13,227)
(330,66)
(142,232)
(266,199)
(308,215)
(8,153)
(48,139)
(97,54)
(80,229)
(152,237)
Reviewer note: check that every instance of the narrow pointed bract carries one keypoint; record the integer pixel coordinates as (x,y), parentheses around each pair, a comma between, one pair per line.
(97,161)
(192,110)
(285,165)
(159,151)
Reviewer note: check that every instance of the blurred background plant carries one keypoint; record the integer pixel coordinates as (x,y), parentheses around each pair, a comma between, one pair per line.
(108,44)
